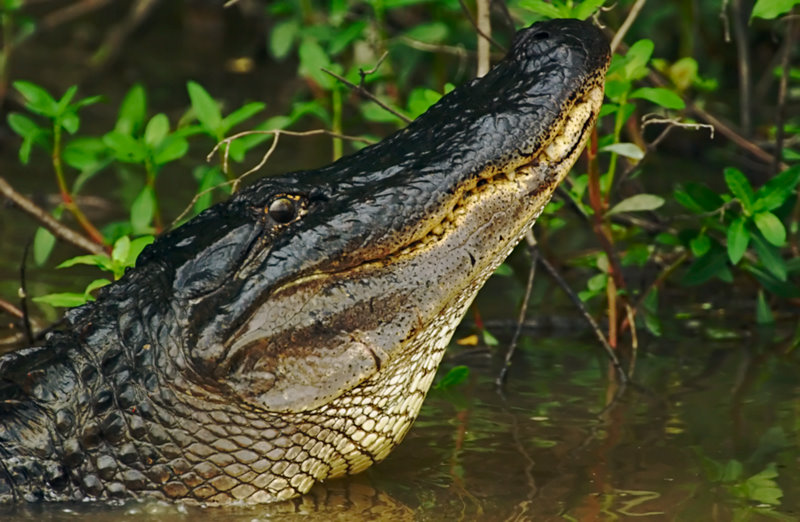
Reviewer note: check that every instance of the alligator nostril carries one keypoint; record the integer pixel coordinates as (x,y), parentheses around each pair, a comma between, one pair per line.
(541,35)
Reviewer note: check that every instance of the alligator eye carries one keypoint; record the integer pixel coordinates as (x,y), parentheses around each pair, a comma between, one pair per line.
(282,210)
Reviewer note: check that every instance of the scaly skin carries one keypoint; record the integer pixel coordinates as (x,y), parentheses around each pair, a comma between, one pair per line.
(265,346)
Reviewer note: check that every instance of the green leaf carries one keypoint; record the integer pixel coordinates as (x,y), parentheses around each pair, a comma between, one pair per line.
(713,263)
(543,8)
(597,282)
(346,36)
(63,300)
(772,228)
(122,247)
(431,33)
(504,270)
(132,112)
(173,147)
(732,472)
(420,100)
(629,150)
(89,100)
(774,193)
(455,376)
(488,338)
(636,59)
(763,312)
(312,60)
(770,257)
(205,109)
(586,9)
(769,9)
(125,147)
(100,261)
(37,99)
(143,210)
(43,243)
(740,188)
(156,130)
(660,96)
(738,239)
(763,488)
(70,122)
(23,125)
(700,245)
(84,153)
(94,285)
(282,37)
(772,284)
(137,246)
(65,100)
(207,177)
(637,203)
(241,114)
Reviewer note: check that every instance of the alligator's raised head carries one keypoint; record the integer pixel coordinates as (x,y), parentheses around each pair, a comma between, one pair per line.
(290,334)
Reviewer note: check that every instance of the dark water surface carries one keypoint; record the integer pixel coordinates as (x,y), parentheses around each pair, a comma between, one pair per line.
(692,444)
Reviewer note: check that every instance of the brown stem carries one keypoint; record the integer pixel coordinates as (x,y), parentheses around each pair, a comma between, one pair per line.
(782,87)
(47,221)
(743,49)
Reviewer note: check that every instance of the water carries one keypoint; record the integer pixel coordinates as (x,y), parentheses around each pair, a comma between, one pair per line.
(557,446)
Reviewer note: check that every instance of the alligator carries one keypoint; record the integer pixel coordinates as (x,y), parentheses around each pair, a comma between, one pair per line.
(290,334)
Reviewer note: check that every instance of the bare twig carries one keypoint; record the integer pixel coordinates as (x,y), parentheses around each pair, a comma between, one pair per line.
(477,27)
(586,315)
(117,35)
(70,12)
(10,309)
(459,51)
(534,253)
(361,91)
(47,221)
(226,143)
(623,29)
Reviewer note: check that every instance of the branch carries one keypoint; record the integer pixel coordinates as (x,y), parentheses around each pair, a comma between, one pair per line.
(534,252)
(47,221)
(586,315)
(623,29)
(361,91)
(226,145)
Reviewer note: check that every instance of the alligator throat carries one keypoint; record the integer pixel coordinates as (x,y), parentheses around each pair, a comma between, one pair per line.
(290,334)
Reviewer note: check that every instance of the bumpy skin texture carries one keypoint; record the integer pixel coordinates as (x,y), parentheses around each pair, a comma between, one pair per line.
(250,354)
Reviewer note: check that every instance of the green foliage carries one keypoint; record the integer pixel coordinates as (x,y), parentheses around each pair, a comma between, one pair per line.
(123,256)
(455,376)
(733,222)
(770,9)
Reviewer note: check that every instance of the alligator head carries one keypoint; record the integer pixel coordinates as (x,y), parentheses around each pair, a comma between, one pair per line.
(290,334)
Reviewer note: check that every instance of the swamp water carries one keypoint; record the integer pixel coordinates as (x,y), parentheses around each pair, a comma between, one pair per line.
(704,435)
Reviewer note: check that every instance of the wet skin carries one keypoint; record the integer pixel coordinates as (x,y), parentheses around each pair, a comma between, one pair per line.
(290,334)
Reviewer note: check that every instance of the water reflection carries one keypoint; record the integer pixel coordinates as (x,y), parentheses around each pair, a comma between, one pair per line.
(710,435)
